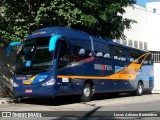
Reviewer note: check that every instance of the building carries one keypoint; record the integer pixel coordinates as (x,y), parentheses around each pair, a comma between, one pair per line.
(145,34)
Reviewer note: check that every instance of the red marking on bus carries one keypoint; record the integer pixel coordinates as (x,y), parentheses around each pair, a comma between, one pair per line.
(89,59)
(28,91)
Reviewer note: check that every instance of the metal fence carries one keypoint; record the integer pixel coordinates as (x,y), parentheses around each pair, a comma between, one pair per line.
(155,56)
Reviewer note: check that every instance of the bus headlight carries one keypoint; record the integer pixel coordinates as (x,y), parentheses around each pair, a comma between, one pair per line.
(15,85)
(49,82)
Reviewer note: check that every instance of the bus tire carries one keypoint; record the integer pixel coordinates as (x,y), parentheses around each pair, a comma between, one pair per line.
(139,91)
(86,93)
(17,100)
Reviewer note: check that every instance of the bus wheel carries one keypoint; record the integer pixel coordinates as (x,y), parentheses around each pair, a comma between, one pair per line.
(17,100)
(87,93)
(139,91)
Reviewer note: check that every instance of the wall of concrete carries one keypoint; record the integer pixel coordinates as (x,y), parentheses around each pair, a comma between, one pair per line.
(6,72)
(147,27)
(138,30)
(153,20)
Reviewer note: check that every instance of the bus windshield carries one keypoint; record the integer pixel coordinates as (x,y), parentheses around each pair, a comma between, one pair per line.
(34,56)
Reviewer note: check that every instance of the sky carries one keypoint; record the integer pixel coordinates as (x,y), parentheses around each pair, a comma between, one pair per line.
(143,2)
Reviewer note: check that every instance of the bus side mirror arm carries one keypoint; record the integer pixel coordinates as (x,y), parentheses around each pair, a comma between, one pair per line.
(53,41)
(10,46)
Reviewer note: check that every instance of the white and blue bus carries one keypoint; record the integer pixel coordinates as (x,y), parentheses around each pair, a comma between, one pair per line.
(57,61)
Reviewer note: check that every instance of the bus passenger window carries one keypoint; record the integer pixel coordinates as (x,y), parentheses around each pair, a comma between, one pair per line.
(148,60)
(80,50)
(134,55)
(102,49)
(119,53)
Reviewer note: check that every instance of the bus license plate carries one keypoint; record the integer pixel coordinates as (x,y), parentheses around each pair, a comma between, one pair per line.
(28,91)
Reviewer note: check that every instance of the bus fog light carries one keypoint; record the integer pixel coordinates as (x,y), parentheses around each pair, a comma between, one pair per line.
(15,85)
(50,82)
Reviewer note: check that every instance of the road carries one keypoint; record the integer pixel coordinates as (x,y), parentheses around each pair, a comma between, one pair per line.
(102,104)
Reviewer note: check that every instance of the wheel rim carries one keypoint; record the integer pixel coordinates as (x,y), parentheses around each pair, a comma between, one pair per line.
(87,91)
(140,89)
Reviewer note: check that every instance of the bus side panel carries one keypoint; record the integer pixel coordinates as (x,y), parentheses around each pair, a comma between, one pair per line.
(122,84)
(145,74)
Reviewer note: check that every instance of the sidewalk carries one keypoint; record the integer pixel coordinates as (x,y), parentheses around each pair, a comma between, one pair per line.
(5,100)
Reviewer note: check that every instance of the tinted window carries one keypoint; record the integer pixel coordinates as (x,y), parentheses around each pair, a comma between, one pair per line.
(119,54)
(101,50)
(80,49)
(148,60)
(134,55)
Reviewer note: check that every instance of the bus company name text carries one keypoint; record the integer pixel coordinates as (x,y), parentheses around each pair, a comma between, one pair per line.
(102,67)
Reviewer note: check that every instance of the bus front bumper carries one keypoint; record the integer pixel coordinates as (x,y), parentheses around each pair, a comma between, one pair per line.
(47,91)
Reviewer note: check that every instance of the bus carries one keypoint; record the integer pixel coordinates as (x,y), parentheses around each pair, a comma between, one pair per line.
(58,61)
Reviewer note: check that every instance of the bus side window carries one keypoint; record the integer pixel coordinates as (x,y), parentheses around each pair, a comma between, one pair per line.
(119,54)
(134,55)
(148,60)
(102,50)
(80,50)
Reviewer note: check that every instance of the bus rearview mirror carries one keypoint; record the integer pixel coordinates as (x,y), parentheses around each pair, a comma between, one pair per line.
(52,42)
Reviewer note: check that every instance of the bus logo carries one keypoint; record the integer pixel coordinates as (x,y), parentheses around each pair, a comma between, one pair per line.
(102,67)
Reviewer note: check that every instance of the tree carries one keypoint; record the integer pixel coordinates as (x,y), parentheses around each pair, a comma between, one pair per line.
(102,18)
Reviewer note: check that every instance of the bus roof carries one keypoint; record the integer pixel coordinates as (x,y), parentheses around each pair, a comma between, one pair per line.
(72,33)
(110,42)
(50,31)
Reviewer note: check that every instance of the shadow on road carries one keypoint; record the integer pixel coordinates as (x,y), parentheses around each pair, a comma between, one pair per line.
(66,100)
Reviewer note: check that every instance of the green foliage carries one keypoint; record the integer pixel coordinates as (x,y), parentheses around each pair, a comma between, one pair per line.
(102,18)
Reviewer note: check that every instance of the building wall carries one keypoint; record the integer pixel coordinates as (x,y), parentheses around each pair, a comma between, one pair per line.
(138,30)
(147,27)
(153,20)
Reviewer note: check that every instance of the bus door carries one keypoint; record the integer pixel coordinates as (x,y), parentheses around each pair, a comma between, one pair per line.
(63,68)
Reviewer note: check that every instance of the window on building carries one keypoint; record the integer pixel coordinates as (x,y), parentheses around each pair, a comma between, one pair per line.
(145,45)
(136,44)
(140,45)
(124,42)
(130,43)
(154,10)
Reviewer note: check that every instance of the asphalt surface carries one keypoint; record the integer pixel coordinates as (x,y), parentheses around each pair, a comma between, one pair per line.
(101,107)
